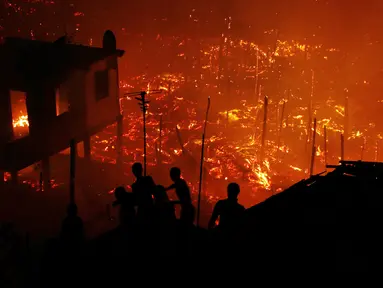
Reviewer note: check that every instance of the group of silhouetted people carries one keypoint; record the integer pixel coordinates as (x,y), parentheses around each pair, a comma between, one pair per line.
(148,230)
(148,205)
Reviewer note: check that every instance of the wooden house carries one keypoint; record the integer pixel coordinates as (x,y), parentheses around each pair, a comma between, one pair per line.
(68,91)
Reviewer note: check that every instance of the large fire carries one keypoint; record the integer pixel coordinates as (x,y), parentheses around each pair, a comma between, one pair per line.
(234,150)
(234,139)
(239,75)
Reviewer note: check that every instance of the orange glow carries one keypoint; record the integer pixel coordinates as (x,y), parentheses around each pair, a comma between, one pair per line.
(21,122)
(238,73)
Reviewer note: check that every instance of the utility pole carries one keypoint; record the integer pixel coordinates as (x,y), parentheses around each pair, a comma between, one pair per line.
(143,103)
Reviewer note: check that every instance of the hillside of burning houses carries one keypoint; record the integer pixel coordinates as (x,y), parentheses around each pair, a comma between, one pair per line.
(264,146)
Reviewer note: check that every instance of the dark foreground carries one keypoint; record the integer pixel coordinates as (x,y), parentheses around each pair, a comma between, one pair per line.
(327,226)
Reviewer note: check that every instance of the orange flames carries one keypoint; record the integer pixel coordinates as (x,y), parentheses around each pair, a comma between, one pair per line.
(21,122)
(233,142)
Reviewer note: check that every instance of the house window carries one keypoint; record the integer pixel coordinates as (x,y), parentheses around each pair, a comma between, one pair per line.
(19,114)
(101,84)
(62,103)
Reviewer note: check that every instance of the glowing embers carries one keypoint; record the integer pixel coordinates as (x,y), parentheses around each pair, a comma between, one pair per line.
(19,114)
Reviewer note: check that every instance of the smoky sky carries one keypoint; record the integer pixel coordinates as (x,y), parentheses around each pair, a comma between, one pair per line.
(342,22)
(335,19)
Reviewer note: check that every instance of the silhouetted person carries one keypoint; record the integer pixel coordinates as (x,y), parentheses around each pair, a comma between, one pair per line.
(164,212)
(184,196)
(229,211)
(164,223)
(143,189)
(125,201)
(72,227)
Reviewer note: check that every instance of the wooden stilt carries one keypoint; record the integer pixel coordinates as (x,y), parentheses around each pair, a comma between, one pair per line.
(313,151)
(72,172)
(119,144)
(201,164)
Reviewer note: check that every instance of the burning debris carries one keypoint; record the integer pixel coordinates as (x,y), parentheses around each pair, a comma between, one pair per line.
(265,97)
(262,144)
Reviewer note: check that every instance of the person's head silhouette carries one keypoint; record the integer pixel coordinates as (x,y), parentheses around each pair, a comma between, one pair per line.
(160,194)
(119,193)
(137,169)
(233,191)
(175,173)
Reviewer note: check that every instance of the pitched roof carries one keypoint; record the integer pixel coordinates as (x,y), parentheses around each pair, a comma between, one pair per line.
(23,60)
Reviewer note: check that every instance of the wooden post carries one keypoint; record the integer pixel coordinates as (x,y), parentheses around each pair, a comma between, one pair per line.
(205,175)
(257,76)
(341,147)
(160,143)
(309,122)
(119,144)
(310,109)
(346,115)
(201,164)
(346,121)
(362,149)
(143,94)
(264,130)
(72,171)
(280,128)
(46,170)
(313,149)
(325,145)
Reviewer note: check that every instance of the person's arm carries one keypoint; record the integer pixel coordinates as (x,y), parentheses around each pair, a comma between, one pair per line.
(214,216)
(173,186)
